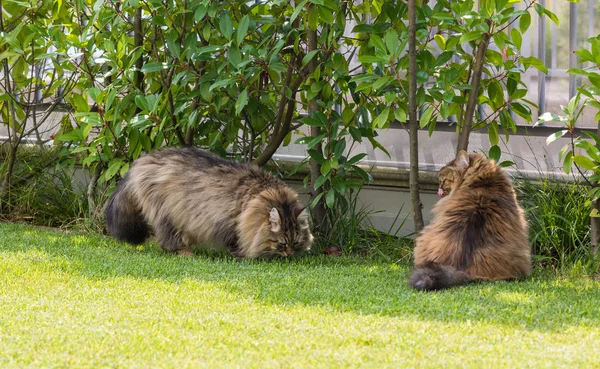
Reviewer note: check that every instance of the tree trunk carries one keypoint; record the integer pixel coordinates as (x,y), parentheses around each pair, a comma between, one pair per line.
(283,122)
(138,39)
(463,142)
(412,117)
(91,191)
(318,212)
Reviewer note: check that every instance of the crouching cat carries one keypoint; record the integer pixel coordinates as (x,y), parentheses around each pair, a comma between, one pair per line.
(478,232)
(190,196)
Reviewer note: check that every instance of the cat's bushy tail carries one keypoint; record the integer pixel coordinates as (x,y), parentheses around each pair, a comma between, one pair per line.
(124,220)
(434,276)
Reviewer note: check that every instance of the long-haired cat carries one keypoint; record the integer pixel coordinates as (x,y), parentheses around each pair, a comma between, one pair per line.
(478,232)
(190,196)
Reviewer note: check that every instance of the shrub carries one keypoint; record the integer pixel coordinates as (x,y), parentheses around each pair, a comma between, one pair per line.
(558,216)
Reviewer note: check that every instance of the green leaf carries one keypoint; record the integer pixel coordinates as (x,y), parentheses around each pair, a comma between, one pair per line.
(370,59)
(555,136)
(79,102)
(356,158)
(381,119)
(221,83)
(496,94)
(124,169)
(316,156)
(494,57)
(493,133)
(110,98)
(340,146)
(315,140)
(308,57)
(426,117)
(319,182)
(507,163)
(234,55)
(326,167)
(313,18)
(173,44)
(522,110)
(568,163)
(516,37)
(382,81)
(141,103)
(584,162)
(542,10)
(74,135)
(534,62)
(113,167)
(391,40)
(153,67)
(593,136)
(226,25)
(242,29)
(330,199)
(494,153)
(444,16)
(347,115)
(312,121)
(592,151)
(470,36)
(400,115)
(325,15)
(363,174)
(199,13)
(443,58)
(377,42)
(93,94)
(440,41)
(524,22)
(550,117)
(316,200)
(297,11)
(241,101)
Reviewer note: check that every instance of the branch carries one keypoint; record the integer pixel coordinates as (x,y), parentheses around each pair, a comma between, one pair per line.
(413,121)
(463,142)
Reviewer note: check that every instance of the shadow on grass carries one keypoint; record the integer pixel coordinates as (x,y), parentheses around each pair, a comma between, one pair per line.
(362,285)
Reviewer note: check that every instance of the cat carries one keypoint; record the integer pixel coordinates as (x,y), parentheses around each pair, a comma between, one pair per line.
(191,196)
(478,232)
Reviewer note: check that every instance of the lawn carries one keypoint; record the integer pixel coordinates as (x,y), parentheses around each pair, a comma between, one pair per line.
(87,301)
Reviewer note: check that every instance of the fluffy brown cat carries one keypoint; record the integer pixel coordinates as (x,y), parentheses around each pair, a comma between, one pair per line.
(478,232)
(190,196)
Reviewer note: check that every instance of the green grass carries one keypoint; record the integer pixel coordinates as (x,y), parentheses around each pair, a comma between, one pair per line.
(86,301)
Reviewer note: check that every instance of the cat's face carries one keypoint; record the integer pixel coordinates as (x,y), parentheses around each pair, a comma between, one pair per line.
(288,232)
(451,175)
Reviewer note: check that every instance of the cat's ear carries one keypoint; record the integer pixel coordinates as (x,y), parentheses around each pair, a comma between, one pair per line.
(462,160)
(299,210)
(275,220)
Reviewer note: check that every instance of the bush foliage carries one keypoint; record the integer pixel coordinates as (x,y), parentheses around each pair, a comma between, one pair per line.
(237,77)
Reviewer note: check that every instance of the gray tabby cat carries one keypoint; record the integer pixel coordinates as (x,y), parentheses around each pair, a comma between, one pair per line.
(190,196)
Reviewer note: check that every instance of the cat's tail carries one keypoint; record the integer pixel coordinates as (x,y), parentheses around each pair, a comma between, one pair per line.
(434,276)
(124,219)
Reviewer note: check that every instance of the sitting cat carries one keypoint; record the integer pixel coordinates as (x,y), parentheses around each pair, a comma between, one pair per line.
(478,232)
(190,196)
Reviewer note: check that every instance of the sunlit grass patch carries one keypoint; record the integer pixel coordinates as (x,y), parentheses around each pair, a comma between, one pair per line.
(74,300)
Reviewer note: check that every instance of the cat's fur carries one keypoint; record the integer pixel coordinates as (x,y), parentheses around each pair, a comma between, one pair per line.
(478,232)
(190,196)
